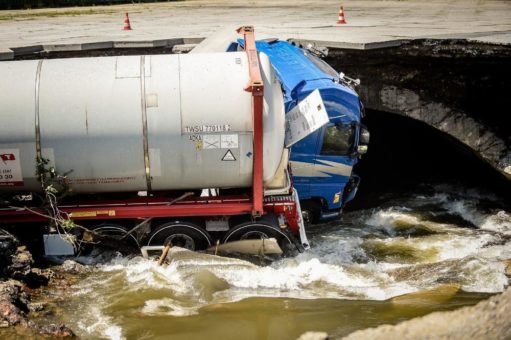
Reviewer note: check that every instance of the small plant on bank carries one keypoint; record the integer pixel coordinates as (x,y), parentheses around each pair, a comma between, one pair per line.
(55,187)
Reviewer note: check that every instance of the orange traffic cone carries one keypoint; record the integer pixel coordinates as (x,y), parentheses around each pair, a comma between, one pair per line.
(127,26)
(341,16)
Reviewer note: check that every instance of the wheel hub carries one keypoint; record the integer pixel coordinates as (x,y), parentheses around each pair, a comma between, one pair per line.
(254,235)
(181,240)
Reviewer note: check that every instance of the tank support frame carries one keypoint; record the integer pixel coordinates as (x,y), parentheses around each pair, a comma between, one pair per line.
(141,208)
(255,85)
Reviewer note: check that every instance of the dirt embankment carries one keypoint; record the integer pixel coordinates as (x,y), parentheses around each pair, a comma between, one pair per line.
(489,319)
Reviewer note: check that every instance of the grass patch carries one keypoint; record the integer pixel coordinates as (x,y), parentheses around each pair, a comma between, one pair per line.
(29,14)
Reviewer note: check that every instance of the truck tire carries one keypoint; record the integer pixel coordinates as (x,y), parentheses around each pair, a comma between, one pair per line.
(256,230)
(311,211)
(180,234)
(115,231)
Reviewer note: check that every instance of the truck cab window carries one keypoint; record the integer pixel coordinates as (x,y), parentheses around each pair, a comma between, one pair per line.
(338,140)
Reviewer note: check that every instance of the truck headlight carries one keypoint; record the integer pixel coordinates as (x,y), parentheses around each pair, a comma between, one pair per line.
(362,149)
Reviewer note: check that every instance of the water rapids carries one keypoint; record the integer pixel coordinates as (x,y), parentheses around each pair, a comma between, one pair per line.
(450,241)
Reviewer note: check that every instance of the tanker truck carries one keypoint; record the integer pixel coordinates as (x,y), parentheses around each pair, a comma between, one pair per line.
(322,162)
(140,137)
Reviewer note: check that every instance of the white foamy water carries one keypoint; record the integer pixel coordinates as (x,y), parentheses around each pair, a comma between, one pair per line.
(95,322)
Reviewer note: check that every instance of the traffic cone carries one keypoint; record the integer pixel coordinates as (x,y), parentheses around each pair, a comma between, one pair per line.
(341,17)
(127,26)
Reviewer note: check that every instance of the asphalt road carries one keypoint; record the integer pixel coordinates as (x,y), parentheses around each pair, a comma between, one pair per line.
(370,23)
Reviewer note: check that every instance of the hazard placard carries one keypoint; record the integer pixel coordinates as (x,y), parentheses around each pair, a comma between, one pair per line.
(10,168)
(228,156)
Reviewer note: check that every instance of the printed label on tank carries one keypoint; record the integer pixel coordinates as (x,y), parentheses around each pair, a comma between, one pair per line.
(228,156)
(199,144)
(207,128)
(210,141)
(305,118)
(10,168)
(229,141)
(101,180)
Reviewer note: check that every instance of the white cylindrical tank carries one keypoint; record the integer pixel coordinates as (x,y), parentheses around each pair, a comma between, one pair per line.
(135,123)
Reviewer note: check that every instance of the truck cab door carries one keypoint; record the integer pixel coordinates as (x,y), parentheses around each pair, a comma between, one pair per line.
(303,157)
(333,163)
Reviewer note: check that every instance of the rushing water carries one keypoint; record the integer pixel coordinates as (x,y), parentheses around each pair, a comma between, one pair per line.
(410,256)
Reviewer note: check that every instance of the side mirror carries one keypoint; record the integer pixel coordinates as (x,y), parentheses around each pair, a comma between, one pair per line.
(364,136)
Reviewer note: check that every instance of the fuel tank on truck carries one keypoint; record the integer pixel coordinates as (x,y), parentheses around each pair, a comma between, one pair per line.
(136,123)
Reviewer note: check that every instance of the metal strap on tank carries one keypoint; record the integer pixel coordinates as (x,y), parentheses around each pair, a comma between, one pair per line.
(144,124)
(256,86)
(36,110)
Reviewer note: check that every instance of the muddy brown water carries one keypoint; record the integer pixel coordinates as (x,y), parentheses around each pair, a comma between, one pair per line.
(413,255)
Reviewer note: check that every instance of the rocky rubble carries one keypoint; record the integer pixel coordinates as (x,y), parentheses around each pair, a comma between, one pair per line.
(17,278)
(13,303)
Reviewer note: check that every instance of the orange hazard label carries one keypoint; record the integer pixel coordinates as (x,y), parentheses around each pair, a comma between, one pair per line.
(93,213)
(10,168)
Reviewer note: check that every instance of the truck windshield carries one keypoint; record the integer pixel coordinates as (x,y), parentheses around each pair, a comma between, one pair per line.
(338,140)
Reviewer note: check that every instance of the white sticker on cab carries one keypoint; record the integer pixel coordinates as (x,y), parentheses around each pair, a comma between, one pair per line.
(305,118)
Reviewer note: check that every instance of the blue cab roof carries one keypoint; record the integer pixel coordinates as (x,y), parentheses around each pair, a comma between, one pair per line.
(300,76)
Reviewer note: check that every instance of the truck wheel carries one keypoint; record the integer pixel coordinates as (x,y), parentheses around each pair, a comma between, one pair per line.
(115,231)
(180,234)
(311,211)
(256,231)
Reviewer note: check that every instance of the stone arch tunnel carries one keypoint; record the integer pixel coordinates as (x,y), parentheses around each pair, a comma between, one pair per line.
(438,111)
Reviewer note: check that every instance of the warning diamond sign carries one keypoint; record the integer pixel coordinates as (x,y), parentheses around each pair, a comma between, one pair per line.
(228,156)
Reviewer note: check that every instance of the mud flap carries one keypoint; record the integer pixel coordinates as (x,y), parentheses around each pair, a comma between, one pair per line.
(301,226)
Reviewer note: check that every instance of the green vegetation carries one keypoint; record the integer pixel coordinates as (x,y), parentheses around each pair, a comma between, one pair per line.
(52,13)
(30,4)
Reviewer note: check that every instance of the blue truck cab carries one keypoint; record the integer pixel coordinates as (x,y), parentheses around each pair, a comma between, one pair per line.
(321,163)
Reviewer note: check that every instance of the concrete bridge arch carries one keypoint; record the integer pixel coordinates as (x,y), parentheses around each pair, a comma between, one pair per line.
(457,87)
